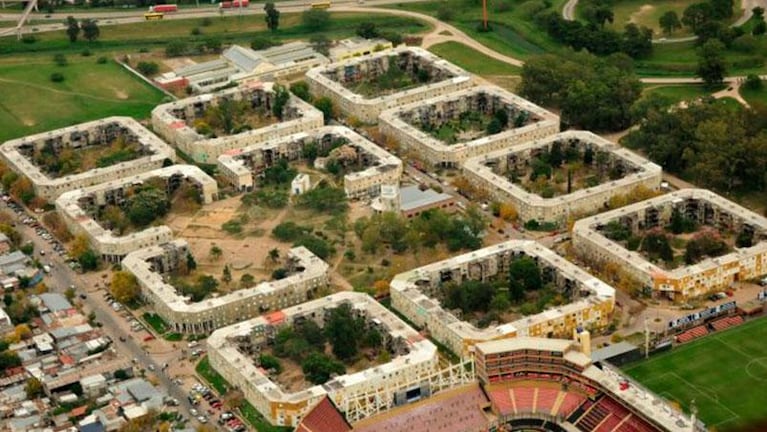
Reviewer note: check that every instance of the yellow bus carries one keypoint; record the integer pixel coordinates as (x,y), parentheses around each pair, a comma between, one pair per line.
(151,16)
(321,5)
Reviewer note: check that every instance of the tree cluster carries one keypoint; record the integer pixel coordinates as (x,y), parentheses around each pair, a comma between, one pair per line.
(324,199)
(305,343)
(197,290)
(592,93)
(426,230)
(593,37)
(89,28)
(707,143)
(705,244)
(303,236)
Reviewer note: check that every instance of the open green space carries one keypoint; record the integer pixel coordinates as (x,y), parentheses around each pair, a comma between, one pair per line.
(514,32)
(156,322)
(227,29)
(722,373)
(679,93)
(473,61)
(681,58)
(31,103)
(754,96)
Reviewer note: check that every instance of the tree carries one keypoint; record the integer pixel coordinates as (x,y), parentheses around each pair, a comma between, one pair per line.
(22,190)
(696,15)
(261,42)
(147,68)
(753,82)
(233,398)
(301,89)
(367,30)
(89,260)
(191,264)
(33,388)
(320,43)
(669,22)
(146,206)
(90,29)
(73,29)
(315,19)
(274,254)
(711,67)
(637,41)
(215,252)
(281,98)
(325,104)
(526,272)
(124,287)
(227,275)
(70,294)
(721,9)
(759,29)
(344,332)
(247,280)
(272,16)
(318,368)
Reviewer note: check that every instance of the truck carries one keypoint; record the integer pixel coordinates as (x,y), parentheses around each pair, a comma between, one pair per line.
(164,8)
(233,4)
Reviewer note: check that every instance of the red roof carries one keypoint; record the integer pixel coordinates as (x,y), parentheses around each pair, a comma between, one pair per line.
(324,417)
(79,411)
(275,317)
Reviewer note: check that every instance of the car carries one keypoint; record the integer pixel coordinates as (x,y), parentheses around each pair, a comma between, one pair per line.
(193,412)
(178,381)
(83,296)
(122,338)
(150,367)
(202,419)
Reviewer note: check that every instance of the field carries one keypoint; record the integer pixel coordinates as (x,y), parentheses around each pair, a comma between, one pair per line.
(473,61)
(679,93)
(755,96)
(723,373)
(32,103)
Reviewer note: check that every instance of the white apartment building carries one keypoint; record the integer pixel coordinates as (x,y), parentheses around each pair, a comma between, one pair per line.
(19,154)
(78,209)
(406,124)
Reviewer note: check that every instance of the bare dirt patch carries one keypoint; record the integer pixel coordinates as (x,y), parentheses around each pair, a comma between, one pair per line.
(637,16)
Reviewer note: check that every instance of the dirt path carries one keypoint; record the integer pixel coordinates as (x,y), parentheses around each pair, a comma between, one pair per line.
(733,91)
(85,95)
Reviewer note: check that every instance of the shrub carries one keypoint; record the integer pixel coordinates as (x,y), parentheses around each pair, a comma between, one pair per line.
(195,31)
(147,68)
(101,60)
(86,52)
(57,77)
(261,42)
(60,60)
(445,12)
(28,39)
(206,22)
(753,82)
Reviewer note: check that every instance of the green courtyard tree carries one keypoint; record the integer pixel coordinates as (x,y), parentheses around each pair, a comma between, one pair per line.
(272,16)
(146,206)
(325,104)
(281,98)
(344,332)
(711,66)
(318,368)
(124,287)
(669,22)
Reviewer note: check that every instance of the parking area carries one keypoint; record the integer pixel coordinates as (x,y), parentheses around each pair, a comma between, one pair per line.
(200,396)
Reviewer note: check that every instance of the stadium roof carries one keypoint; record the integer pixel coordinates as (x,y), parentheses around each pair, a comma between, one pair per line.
(611,351)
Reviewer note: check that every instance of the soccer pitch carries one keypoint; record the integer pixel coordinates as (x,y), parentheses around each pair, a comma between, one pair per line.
(724,373)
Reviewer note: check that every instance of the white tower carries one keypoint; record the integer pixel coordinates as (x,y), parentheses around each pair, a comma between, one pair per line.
(390,198)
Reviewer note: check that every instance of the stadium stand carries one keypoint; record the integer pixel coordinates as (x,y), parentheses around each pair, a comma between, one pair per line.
(692,334)
(726,323)
(456,410)
(324,417)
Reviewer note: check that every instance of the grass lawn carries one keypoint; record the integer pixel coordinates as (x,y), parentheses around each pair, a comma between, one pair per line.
(679,93)
(156,322)
(248,412)
(682,58)
(228,29)
(473,61)
(513,32)
(31,103)
(723,373)
(173,337)
(754,96)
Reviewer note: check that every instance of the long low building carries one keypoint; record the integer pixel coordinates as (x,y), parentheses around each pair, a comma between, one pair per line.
(414,358)
(47,147)
(242,167)
(79,208)
(490,174)
(418,126)
(431,76)
(685,281)
(179,121)
(152,265)
(414,294)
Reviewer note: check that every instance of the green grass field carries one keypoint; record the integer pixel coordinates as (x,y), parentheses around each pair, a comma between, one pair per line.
(724,374)
(755,96)
(473,61)
(679,93)
(31,103)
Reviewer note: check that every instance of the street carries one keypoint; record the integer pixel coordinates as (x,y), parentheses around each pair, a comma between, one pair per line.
(61,277)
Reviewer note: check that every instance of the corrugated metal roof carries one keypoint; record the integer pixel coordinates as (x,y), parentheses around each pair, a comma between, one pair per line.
(412,197)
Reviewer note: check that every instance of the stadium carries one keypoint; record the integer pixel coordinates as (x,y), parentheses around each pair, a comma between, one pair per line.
(523,384)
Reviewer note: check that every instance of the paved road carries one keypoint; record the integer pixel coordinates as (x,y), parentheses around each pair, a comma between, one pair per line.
(61,277)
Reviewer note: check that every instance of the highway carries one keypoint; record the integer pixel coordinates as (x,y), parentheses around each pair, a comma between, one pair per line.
(61,277)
